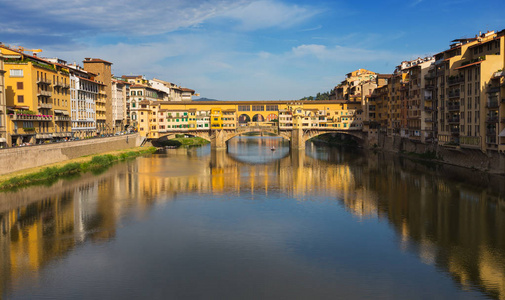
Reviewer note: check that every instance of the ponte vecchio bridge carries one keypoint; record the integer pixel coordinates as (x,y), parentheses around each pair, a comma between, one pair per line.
(220,121)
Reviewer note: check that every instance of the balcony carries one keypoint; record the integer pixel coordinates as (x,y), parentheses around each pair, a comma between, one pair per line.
(430,75)
(455,80)
(453,120)
(491,90)
(491,132)
(428,120)
(429,86)
(65,85)
(492,119)
(428,98)
(27,117)
(44,93)
(58,83)
(453,107)
(454,130)
(428,108)
(45,105)
(492,104)
(43,81)
(454,94)
(61,118)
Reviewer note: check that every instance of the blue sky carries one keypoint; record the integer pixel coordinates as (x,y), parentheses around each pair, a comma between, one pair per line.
(245,50)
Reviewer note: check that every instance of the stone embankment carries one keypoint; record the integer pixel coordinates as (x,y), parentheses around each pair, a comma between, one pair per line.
(491,161)
(21,158)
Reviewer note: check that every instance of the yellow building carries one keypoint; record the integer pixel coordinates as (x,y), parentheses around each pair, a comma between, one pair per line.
(37,98)
(3,107)
(468,92)
(351,88)
(216,118)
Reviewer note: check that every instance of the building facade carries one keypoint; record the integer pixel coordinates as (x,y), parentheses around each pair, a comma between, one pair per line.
(102,69)
(84,93)
(3,107)
(37,99)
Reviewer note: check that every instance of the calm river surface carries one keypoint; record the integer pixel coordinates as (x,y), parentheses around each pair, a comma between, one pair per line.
(251,223)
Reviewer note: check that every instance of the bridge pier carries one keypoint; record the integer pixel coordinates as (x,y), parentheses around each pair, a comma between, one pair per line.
(297,140)
(218,139)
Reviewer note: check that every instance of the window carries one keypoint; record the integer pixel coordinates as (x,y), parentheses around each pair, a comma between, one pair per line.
(21,99)
(16,73)
(20,85)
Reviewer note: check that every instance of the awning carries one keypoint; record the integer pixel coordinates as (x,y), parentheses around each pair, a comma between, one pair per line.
(502,133)
(58,111)
(3,140)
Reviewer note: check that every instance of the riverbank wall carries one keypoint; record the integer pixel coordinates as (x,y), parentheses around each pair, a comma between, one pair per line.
(491,161)
(20,158)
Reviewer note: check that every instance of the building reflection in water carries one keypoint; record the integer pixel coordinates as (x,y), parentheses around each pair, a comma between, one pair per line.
(457,226)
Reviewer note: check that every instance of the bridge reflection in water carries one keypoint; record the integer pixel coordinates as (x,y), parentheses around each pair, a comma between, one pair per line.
(458,228)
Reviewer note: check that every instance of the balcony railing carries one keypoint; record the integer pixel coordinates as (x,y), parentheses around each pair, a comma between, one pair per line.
(428,120)
(58,83)
(454,94)
(456,80)
(493,90)
(491,132)
(429,86)
(61,118)
(453,107)
(493,119)
(453,120)
(454,130)
(430,76)
(45,105)
(428,98)
(492,104)
(44,81)
(44,93)
(65,85)
(27,117)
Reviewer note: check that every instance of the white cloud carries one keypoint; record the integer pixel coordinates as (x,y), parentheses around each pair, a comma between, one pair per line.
(268,13)
(150,17)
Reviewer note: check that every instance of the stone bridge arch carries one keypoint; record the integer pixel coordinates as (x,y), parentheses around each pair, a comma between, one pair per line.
(308,134)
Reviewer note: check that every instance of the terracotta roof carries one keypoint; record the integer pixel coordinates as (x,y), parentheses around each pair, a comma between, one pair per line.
(96,60)
(90,80)
(469,65)
(187,90)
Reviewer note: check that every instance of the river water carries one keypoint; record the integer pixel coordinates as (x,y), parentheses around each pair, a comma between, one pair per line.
(252,223)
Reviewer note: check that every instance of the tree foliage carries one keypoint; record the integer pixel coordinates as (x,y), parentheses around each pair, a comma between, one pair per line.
(319,96)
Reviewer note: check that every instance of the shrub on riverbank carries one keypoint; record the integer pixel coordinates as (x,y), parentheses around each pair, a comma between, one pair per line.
(183,141)
(50,174)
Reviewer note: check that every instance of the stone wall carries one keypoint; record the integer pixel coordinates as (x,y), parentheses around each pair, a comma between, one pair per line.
(491,161)
(20,158)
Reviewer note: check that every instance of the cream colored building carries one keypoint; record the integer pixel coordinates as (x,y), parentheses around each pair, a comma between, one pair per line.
(118,105)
